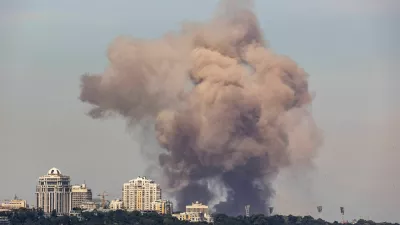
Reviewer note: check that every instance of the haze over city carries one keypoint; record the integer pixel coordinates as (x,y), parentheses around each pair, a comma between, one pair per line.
(347,48)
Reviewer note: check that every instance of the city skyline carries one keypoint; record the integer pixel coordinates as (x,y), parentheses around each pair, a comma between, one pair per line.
(349,51)
(74,185)
(80,193)
(159,204)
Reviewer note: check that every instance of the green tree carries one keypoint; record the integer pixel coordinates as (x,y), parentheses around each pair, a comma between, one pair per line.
(120,217)
(54,213)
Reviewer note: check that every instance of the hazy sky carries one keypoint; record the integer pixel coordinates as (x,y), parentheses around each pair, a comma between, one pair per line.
(349,48)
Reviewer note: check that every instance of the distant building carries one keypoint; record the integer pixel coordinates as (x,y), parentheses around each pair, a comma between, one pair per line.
(14,204)
(90,205)
(53,192)
(196,212)
(197,207)
(138,194)
(162,206)
(4,220)
(143,212)
(192,217)
(80,194)
(116,204)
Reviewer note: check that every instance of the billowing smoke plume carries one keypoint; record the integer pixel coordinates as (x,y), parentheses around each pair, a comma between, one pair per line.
(225,107)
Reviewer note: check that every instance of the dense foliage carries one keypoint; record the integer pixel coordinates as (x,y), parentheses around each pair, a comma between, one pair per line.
(30,217)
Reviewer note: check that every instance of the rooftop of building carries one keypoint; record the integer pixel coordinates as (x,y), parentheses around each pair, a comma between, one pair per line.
(54,171)
(14,200)
(142,178)
(197,204)
(80,188)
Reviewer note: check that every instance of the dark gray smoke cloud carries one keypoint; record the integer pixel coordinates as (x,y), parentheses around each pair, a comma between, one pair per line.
(245,116)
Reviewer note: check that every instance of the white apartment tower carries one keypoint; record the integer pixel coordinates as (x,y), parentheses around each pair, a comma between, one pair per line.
(53,192)
(140,193)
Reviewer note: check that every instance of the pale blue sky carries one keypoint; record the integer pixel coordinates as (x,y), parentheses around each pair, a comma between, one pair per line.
(349,47)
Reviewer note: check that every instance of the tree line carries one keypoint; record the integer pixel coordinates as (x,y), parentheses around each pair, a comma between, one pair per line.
(120,217)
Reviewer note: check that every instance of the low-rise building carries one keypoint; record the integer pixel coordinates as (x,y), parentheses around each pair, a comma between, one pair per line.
(77,214)
(16,203)
(116,204)
(197,207)
(185,216)
(4,220)
(162,206)
(193,217)
(88,205)
(196,212)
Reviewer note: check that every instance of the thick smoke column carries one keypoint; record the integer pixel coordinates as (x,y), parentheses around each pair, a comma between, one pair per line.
(242,116)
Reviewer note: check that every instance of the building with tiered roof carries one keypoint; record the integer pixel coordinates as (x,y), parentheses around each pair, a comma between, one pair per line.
(53,192)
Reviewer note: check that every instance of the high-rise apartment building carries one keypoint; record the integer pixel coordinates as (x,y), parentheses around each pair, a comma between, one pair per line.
(139,193)
(53,192)
(80,194)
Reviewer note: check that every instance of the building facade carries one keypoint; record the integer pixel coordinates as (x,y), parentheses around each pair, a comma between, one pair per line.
(192,217)
(16,203)
(80,194)
(116,204)
(139,193)
(4,220)
(196,212)
(53,192)
(88,205)
(162,206)
(197,207)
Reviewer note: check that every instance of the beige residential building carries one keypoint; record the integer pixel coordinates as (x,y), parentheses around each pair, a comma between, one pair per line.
(53,192)
(196,212)
(162,206)
(80,194)
(192,217)
(197,207)
(116,204)
(139,193)
(16,203)
(182,216)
